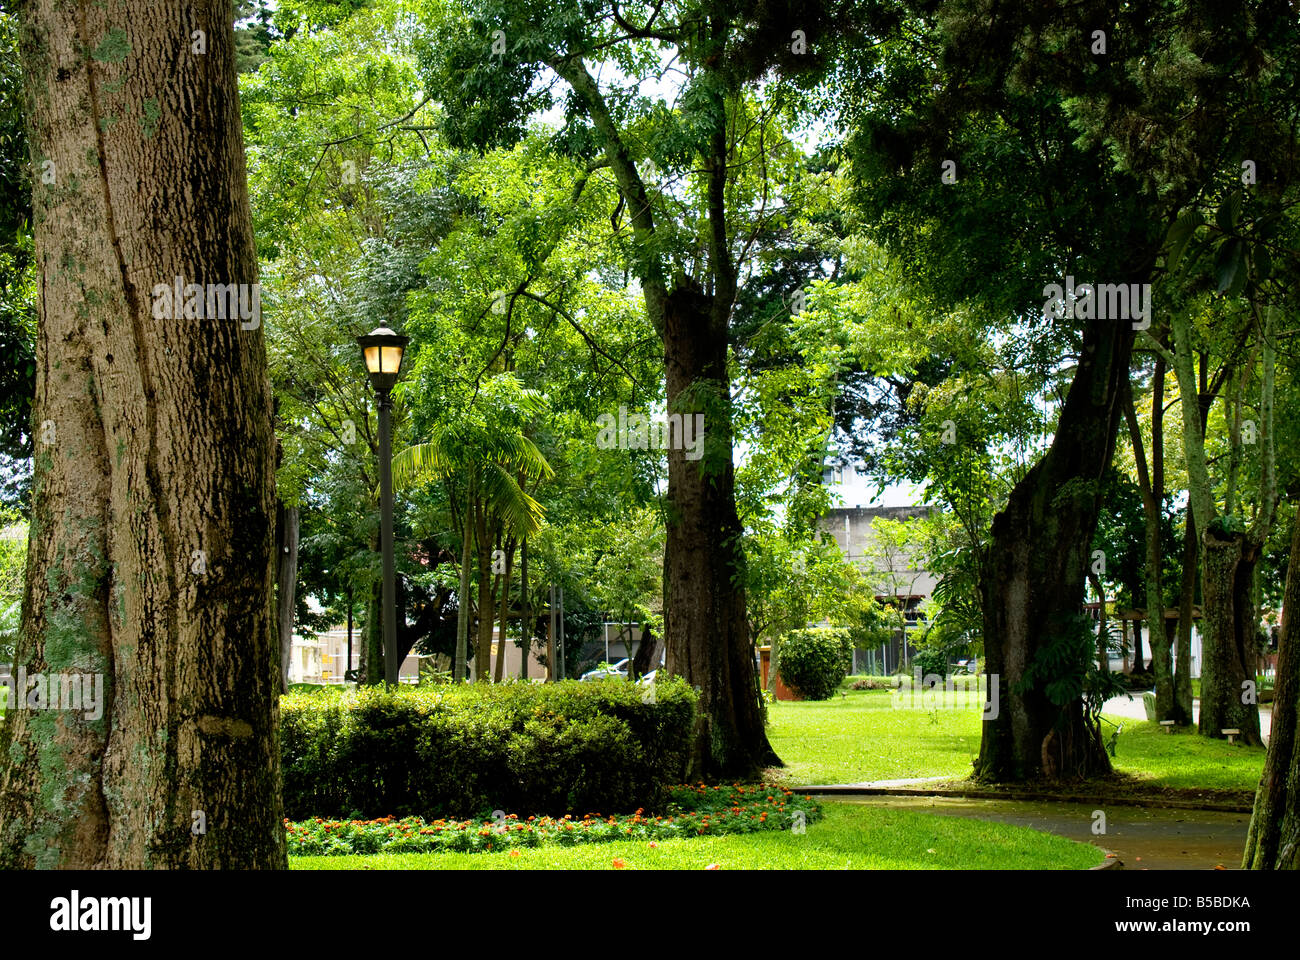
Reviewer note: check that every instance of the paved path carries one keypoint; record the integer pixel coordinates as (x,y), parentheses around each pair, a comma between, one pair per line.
(1143,838)
(1122,706)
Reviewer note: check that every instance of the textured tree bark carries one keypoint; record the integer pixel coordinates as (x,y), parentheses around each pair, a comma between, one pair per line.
(705,623)
(1033,577)
(286,583)
(1230,617)
(150,564)
(1273,842)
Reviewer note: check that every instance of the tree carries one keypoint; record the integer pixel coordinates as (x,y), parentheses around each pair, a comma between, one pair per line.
(486,451)
(150,566)
(1271,843)
(685,247)
(1111,151)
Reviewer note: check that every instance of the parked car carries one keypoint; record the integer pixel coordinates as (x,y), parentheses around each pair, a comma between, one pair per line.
(607,670)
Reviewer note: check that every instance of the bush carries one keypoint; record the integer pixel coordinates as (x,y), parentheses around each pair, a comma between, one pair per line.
(812,662)
(467,749)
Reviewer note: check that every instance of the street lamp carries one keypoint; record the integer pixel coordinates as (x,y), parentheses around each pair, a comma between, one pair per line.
(383,349)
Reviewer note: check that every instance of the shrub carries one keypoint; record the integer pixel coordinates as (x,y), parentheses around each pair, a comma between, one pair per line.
(812,662)
(467,749)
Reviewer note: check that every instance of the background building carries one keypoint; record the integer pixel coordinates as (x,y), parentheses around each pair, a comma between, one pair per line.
(892,569)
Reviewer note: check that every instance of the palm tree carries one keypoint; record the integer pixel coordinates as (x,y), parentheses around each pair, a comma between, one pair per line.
(486,449)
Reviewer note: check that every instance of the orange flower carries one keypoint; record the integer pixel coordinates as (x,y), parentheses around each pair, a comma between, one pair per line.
(514,853)
(653,845)
(619,864)
(714,866)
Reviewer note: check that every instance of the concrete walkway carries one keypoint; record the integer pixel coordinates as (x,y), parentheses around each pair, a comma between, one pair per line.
(1142,838)
(1122,706)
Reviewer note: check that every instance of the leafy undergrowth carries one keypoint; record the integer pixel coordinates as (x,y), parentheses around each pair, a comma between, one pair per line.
(850,836)
(691,811)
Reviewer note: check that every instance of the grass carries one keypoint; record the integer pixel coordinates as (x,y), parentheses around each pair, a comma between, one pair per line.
(850,837)
(862,736)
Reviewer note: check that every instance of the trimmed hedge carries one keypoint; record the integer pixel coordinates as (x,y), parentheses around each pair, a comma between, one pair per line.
(463,750)
(813,662)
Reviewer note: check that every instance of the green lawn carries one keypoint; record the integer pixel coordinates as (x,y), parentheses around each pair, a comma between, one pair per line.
(850,837)
(863,736)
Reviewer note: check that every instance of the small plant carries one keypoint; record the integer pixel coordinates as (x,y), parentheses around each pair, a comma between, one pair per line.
(872,683)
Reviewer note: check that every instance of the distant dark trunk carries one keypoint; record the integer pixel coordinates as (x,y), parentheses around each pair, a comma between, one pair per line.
(286,583)
(1139,655)
(499,671)
(460,658)
(1229,618)
(705,621)
(525,610)
(1152,485)
(1273,842)
(374,645)
(647,653)
(1182,712)
(1033,577)
(1103,651)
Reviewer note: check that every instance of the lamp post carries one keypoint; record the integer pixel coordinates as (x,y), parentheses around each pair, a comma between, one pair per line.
(383,349)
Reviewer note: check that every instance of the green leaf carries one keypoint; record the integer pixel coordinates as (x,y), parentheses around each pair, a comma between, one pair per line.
(1230,267)
(1263,263)
(1179,234)
(1229,211)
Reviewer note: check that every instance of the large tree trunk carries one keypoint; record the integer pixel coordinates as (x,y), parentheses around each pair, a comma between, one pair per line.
(1273,842)
(1033,576)
(150,566)
(1228,627)
(705,625)
(286,584)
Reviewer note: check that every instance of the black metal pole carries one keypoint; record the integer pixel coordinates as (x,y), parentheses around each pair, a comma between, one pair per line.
(386,536)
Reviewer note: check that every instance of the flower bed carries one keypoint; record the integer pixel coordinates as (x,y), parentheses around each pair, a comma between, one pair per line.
(691,811)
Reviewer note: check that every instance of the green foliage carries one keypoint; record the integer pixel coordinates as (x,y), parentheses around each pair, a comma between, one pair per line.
(17,278)
(13,559)
(465,750)
(812,662)
(1066,669)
